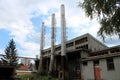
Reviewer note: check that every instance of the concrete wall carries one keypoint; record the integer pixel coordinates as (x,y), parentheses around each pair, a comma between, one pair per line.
(94,44)
(20,72)
(88,71)
(25,61)
(84,54)
(110,74)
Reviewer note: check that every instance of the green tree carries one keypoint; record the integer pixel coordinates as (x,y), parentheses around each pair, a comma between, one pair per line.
(107,13)
(10,57)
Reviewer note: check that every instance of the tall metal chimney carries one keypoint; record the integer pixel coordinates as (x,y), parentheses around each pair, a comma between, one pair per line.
(63,31)
(41,45)
(51,66)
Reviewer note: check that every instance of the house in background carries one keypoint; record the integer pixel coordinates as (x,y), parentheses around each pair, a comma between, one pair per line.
(25,61)
(23,70)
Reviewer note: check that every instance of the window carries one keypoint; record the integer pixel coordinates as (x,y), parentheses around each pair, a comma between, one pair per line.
(96,63)
(49,51)
(69,44)
(110,64)
(78,42)
(44,52)
(81,41)
(85,63)
(86,46)
(58,48)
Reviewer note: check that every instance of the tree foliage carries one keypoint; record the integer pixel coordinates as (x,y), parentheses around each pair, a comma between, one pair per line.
(37,64)
(10,57)
(107,13)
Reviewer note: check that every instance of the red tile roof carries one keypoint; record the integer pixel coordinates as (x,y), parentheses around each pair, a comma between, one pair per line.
(25,68)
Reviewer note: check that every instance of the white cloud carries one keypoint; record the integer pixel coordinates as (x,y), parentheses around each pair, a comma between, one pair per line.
(1,51)
(89,27)
(16,15)
(15,18)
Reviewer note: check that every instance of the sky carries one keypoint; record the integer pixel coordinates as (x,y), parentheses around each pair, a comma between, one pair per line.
(21,20)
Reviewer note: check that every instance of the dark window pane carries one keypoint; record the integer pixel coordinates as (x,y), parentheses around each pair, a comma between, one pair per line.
(85,63)
(110,64)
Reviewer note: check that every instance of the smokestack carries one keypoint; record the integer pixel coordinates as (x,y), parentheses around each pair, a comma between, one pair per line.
(63,31)
(42,36)
(63,43)
(51,67)
(41,45)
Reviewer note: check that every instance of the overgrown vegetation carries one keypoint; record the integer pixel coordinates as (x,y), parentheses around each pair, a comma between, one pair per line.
(35,77)
(40,75)
(37,63)
(25,76)
(107,13)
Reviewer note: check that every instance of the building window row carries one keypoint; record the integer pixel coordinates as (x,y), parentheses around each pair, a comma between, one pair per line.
(58,48)
(98,54)
(69,44)
(72,44)
(115,50)
(81,41)
(82,47)
(105,52)
(44,52)
(109,63)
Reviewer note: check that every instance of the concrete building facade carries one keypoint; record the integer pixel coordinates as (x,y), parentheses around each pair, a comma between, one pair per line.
(25,61)
(102,65)
(85,41)
(83,57)
(87,59)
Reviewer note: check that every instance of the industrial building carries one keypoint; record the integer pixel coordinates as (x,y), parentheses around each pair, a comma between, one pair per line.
(82,58)
(87,59)
(101,65)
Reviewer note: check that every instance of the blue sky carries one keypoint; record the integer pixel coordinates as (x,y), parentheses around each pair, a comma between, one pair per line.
(21,20)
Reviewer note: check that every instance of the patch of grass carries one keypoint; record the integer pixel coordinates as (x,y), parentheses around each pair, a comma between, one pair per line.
(25,76)
(35,77)
(40,75)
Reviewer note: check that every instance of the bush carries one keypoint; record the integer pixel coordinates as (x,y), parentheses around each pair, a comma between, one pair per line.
(41,73)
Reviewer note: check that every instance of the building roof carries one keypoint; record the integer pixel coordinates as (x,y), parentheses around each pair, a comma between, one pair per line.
(101,56)
(25,68)
(109,52)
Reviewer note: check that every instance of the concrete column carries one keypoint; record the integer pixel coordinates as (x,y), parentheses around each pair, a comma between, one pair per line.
(41,46)
(63,43)
(51,67)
